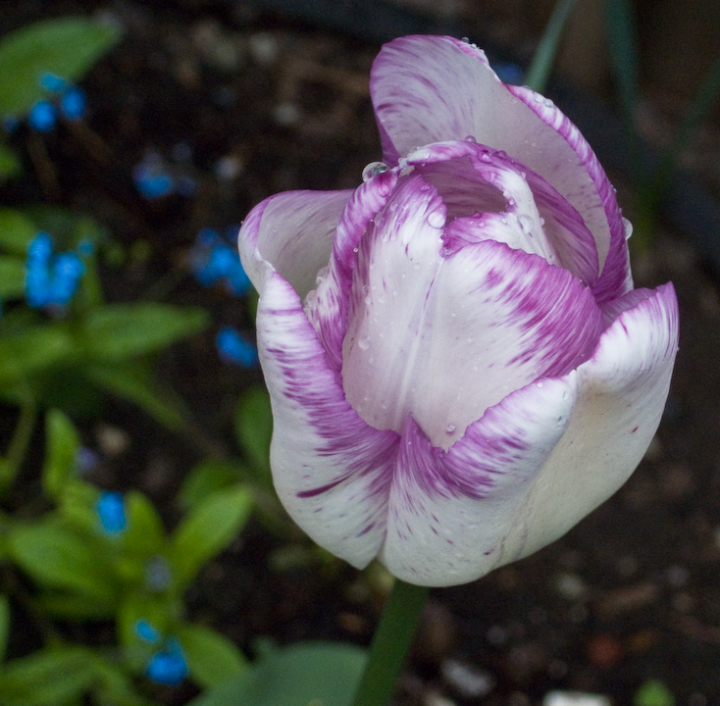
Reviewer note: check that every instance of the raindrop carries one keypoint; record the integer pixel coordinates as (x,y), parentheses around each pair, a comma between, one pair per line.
(470,138)
(355,249)
(525,224)
(436,219)
(485,157)
(466,40)
(373,169)
(364,343)
(368,300)
(450,428)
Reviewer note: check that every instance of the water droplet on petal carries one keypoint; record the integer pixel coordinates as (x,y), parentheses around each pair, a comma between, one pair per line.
(436,219)
(485,157)
(525,224)
(450,428)
(364,343)
(466,40)
(384,404)
(470,138)
(373,169)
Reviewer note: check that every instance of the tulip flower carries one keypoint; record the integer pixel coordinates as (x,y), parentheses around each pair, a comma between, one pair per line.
(459,366)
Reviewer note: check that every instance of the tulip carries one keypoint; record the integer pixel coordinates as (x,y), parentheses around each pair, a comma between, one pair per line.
(459,367)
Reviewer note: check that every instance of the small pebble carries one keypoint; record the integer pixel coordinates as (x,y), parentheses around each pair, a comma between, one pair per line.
(469,681)
(574,698)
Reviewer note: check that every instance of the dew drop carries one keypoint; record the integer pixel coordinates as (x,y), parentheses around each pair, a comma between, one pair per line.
(466,40)
(364,343)
(356,249)
(450,428)
(368,300)
(470,138)
(436,219)
(373,169)
(525,224)
(485,157)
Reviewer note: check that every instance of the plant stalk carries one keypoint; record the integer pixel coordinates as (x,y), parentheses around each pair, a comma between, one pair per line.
(19,443)
(392,640)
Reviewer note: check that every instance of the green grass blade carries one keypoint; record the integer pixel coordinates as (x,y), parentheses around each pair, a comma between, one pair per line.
(539,71)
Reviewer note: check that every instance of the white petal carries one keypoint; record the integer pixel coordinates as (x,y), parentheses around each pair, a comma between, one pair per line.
(449,512)
(444,337)
(621,394)
(330,469)
(291,233)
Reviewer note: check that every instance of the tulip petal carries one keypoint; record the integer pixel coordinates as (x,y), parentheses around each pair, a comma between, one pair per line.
(616,278)
(444,338)
(449,512)
(621,393)
(291,233)
(327,306)
(534,217)
(330,469)
(433,89)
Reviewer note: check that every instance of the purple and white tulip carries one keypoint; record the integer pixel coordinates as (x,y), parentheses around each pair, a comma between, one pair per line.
(459,367)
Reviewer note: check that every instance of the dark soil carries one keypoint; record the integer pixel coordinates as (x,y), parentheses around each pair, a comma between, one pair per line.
(630,594)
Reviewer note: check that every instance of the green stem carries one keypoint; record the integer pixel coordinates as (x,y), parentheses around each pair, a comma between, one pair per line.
(392,640)
(18,445)
(539,71)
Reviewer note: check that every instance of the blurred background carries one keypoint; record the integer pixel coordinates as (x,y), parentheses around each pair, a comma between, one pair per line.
(202,108)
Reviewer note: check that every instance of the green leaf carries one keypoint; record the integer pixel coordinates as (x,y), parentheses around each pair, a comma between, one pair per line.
(325,673)
(12,277)
(539,71)
(16,232)
(144,534)
(56,556)
(119,331)
(653,693)
(27,352)
(132,381)
(72,606)
(4,625)
(158,611)
(77,506)
(61,450)
(66,47)
(48,677)
(116,688)
(207,530)
(10,165)
(212,659)
(254,424)
(209,476)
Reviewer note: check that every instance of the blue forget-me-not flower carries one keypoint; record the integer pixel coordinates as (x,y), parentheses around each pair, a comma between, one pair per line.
(50,278)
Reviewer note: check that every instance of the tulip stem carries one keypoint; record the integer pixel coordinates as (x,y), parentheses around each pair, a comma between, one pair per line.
(392,640)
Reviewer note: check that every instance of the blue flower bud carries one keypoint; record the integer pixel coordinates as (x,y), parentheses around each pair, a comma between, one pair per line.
(146,631)
(42,116)
(168,666)
(233,348)
(111,510)
(73,103)
(53,83)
